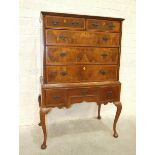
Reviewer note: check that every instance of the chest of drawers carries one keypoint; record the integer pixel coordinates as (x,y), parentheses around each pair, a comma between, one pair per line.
(80,62)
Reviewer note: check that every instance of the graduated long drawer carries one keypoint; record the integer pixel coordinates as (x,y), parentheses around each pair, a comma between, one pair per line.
(81,55)
(81,73)
(82,38)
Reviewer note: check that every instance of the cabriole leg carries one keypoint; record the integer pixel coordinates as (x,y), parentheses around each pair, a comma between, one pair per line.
(119,109)
(39,101)
(40,119)
(43,113)
(99,109)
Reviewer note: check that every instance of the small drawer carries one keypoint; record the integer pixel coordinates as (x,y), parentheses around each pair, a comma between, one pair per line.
(83,92)
(57,22)
(55,97)
(103,25)
(110,93)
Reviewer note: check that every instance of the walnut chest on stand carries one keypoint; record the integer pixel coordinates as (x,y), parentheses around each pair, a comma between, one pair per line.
(80,62)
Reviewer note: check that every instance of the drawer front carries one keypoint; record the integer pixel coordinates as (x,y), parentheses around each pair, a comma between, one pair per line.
(83,91)
(77,95)
(82,38)
(57,22)
(110,93)
(81,73)
(55,97)
(103,25)
(80,55)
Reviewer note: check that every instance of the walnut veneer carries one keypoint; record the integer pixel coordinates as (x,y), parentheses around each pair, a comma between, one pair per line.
(81,59)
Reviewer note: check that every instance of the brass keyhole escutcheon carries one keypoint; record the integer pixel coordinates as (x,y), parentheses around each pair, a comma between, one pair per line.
(64,20)
(84,68)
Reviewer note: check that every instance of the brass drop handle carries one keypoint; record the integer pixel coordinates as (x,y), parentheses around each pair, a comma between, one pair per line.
(109,93)
(75,23)
(95,24)
(63,73)
(62,54)
(54,22)
(105,38)
(104,55)
(111,25)
(103,72)
(62,37)
(56,97)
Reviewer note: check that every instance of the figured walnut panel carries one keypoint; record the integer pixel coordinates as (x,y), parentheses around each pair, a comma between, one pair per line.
(58,22)
(103,25)
(111,93)
(82,38)
(80,73)
(80,55)
(88,94)
(55,97)
(85,91)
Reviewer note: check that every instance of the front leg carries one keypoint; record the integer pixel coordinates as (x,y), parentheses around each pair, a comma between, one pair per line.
(43,124)
(46,111)
(43,112)
(99,109)
(119,109)
(39,101)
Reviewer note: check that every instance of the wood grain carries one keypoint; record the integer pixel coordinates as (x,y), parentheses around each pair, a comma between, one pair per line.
(81,59)
(82,38)
(59,22)
(103,25)
(81,73)
(56,55)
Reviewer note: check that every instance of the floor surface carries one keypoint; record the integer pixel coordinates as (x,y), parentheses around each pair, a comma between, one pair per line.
(80,137)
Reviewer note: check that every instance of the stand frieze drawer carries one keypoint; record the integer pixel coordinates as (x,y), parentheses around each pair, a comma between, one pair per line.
(83,91)
(110,94)
(80,55)
(65,97)
(81,73)
(82,38)
(55,97)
